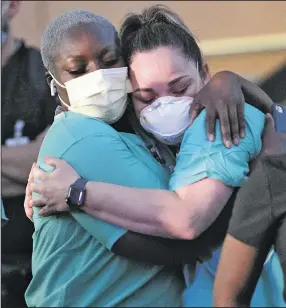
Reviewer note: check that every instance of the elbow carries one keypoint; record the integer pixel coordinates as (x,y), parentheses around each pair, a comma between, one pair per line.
(179,225)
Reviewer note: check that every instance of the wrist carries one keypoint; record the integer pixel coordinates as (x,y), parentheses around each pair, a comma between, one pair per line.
(76,194)
(86,201)
(224,76)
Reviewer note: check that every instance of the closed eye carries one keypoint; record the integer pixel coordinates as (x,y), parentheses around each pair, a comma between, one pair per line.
(80,71)
(181,91)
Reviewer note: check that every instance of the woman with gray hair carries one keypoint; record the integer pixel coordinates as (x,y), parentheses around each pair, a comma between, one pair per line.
(166,71)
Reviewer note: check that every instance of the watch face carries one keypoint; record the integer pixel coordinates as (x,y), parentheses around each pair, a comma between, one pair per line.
(75,197)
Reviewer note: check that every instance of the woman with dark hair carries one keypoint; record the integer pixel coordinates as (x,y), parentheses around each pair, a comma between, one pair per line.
(166,70)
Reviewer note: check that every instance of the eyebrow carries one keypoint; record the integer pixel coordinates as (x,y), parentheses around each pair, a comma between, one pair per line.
(171,83)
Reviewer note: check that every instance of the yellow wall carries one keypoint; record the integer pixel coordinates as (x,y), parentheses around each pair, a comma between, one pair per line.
(207,19)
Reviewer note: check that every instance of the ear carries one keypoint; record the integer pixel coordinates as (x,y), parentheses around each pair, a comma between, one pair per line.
(14,8)
(51,83)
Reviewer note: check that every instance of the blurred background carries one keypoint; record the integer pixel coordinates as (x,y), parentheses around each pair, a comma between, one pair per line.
(247,37)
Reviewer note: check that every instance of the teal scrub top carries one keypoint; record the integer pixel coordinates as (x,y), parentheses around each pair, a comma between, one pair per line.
(72,262)
(199,159)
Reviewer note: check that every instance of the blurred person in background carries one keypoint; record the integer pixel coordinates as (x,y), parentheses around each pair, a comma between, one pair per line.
(27,111)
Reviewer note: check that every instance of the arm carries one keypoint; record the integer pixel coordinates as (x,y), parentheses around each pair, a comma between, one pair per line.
(183,214)
(16,162)
(238,272)
(251,232)
(255,96)
(224,97)
(252,93)
(199,187)
(201,184)
(100,165)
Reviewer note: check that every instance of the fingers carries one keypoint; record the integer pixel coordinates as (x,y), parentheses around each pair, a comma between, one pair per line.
(211,124)
(36,188)
(52,161)
(39,202)
(46,211)
(195,110)
(269,125)
(234,125)
(241,120)
(40,174)
(225,127)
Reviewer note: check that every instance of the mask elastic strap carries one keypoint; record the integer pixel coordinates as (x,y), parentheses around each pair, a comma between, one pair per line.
(55,80)
(53,89)
(66,105)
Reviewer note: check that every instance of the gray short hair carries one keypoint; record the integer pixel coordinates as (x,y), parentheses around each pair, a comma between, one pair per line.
(57,29)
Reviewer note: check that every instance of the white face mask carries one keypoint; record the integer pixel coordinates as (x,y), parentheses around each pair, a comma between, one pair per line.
(101,94)
(167,118)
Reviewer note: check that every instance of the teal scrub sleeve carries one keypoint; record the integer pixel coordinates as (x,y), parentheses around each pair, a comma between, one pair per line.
(199,158)
(106,158)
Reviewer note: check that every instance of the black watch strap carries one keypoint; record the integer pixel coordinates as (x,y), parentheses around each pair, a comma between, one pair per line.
(76,194)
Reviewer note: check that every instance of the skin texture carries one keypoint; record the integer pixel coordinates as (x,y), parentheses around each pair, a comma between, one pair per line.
(163,71)
(235,283)
(83,51)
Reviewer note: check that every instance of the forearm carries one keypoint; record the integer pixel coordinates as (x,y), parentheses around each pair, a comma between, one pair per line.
(184,215)
(255,96)
(139,210)
(17,161)
(239,269)
(161,251)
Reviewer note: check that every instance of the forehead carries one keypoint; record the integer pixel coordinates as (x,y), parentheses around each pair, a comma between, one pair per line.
(89,38)
(160,65)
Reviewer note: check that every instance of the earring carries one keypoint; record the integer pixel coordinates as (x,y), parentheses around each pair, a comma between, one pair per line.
(53,87)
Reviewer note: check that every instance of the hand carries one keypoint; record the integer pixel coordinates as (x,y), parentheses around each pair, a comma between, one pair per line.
(273,143)
(223,98)
(53,186)
(28,197)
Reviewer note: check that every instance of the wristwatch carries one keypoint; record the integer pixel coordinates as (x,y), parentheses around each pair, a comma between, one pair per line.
(76,194)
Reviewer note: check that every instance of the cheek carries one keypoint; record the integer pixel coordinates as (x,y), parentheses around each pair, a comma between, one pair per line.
(138,106)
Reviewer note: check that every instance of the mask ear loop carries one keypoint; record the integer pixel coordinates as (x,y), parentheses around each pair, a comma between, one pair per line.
(54,90)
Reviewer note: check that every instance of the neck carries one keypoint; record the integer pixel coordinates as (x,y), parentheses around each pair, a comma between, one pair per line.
(8,49)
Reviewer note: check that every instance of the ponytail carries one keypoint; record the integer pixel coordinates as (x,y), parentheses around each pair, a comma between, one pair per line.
(157,26)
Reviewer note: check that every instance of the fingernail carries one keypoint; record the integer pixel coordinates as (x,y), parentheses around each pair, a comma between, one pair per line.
(268,115)
(211,137)
(228,144)
(236,141)
(242,135)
